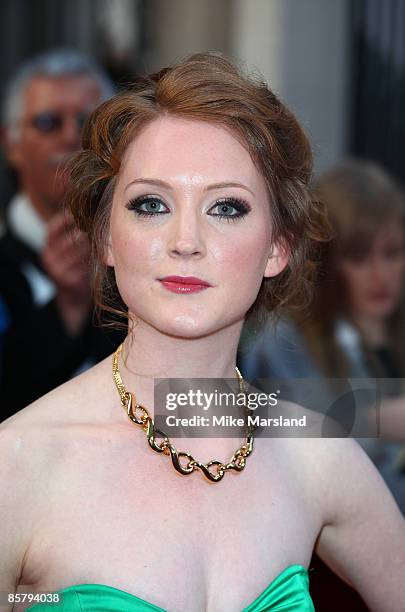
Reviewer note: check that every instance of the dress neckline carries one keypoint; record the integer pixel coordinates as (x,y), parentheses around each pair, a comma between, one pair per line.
(290,570)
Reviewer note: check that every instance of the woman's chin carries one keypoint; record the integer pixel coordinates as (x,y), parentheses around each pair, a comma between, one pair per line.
(186,326)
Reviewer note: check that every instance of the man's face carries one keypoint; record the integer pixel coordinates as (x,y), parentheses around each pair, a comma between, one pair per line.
(49,131)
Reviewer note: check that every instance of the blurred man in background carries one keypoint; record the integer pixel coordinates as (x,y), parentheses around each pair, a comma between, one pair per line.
(44,270)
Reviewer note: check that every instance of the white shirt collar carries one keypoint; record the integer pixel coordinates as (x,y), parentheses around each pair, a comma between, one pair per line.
(26,223)
(347,335)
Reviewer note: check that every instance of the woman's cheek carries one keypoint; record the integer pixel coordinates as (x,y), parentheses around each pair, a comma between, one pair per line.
(239,254)
(155,248)
(140,252)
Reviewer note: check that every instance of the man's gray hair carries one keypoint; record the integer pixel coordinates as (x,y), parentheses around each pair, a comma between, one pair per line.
(57,63)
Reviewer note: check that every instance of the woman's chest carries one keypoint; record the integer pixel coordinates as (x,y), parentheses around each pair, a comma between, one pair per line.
(178,542)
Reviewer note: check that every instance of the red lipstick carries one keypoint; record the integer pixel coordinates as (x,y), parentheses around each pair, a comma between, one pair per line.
(184,284)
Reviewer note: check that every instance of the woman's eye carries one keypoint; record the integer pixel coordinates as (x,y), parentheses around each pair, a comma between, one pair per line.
(148,206)
(229,209)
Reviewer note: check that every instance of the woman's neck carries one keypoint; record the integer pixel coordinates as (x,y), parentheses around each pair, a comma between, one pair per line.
(148,354)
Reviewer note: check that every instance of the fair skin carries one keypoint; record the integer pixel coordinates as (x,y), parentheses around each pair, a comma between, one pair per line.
(39,158)
(103,508)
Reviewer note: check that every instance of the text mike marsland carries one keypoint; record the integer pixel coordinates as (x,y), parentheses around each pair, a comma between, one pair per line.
(230,421)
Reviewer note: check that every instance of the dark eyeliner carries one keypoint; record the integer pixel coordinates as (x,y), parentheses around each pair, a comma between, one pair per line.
(240,205)
(136,203)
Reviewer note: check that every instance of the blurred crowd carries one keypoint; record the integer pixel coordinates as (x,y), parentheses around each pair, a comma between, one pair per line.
(47,322)
(353,329)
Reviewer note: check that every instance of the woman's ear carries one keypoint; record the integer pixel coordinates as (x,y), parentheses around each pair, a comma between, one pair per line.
(278,259)
(109,255)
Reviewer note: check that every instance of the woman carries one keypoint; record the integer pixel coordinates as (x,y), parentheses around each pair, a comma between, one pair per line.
(358,326)
(361,299)
(193,189)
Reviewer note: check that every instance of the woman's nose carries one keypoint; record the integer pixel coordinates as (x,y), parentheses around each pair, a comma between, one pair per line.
(186,237)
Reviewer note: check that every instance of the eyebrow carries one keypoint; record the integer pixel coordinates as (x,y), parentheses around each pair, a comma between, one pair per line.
(160,183)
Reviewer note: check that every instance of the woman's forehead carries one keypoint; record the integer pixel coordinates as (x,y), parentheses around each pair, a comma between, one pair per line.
(194,150)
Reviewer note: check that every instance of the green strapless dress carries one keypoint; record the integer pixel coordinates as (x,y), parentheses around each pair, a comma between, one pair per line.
(288,592)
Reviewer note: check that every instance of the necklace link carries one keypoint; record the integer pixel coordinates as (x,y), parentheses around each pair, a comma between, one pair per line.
(214,470)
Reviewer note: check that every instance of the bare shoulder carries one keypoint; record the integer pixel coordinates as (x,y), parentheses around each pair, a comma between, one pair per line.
(34,444)
(32,440)
(339,469)
(363,537)
(295,444)
(70,403)
(346,476)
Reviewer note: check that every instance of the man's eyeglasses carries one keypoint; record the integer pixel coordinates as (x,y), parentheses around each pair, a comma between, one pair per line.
(53,122)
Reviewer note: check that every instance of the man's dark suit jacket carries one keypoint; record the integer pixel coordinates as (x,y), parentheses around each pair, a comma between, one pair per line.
(38,353)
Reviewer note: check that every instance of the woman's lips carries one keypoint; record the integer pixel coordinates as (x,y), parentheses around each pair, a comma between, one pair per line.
(184,284)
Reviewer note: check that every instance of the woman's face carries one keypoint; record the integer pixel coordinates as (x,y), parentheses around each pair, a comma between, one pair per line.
(374,282)
(190,228)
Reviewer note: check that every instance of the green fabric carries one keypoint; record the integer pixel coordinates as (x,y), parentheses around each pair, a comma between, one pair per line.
(288,592)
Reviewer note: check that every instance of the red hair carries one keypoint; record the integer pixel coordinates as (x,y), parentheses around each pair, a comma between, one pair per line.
(205,87)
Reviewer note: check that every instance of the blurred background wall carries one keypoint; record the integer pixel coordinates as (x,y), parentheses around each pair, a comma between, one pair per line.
(339,64)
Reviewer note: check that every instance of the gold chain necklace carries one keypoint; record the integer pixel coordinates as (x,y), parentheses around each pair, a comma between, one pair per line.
(214,470)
